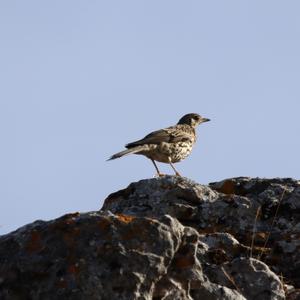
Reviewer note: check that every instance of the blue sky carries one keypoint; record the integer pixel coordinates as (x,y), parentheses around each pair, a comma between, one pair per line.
(79,79)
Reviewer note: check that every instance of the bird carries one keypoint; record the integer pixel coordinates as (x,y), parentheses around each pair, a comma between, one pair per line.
(169,145)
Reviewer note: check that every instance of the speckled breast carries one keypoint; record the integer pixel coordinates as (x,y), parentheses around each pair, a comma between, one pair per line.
(180,151)
(175,151)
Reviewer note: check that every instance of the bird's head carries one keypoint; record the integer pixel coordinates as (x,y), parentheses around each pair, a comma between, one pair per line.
(192,120)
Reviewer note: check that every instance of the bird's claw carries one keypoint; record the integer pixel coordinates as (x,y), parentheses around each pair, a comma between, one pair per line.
(159,175)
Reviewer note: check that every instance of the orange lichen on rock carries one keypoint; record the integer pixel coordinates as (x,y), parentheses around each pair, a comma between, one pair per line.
(35,242)
(184,262)
(125,218)
(71,235)
(228,187)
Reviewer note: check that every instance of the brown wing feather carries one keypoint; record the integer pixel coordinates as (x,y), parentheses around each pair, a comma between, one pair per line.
(168,135)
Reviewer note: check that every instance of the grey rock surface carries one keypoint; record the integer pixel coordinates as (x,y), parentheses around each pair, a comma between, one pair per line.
(164,238)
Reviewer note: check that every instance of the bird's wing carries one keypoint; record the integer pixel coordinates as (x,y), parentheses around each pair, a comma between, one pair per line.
(168,135)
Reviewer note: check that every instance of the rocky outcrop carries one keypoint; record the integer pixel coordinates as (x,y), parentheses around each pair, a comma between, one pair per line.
(164,238)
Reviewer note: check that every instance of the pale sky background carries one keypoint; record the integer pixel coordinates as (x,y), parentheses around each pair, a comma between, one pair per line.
(79,79)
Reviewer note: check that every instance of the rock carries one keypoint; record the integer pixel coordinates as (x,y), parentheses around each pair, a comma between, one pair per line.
(88,256)
(227,207)
(164,238)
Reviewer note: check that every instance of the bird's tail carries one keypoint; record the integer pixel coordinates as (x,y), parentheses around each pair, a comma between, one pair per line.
(127,151)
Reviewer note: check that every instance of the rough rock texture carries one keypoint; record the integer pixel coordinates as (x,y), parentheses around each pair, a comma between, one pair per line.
(164,238)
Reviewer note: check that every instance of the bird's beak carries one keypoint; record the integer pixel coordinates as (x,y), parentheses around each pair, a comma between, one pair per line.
(205,120)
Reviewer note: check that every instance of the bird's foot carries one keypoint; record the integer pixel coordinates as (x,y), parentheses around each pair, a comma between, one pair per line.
(159,175)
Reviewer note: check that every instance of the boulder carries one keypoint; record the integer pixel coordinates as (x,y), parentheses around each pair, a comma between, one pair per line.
(164,238)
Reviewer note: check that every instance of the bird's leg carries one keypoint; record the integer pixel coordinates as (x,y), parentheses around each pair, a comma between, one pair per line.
(176,172)
(157,170)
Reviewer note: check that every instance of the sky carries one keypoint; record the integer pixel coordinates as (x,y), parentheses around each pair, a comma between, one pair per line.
(80,79)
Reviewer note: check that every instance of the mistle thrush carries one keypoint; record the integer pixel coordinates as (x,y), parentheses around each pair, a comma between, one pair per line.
(169,145)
